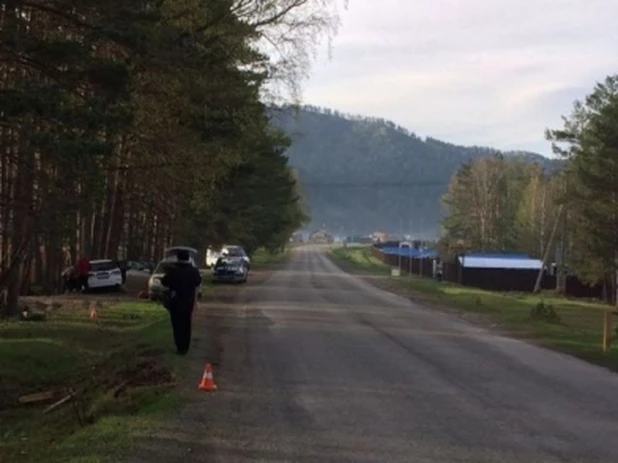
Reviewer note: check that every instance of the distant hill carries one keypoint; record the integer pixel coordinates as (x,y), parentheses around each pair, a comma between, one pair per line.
(361,175)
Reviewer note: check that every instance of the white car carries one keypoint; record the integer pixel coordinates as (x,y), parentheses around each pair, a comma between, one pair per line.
(105,273)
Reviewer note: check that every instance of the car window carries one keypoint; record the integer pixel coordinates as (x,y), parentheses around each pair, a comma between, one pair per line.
(228,260)
(163,267)
(236,252)
(173,252)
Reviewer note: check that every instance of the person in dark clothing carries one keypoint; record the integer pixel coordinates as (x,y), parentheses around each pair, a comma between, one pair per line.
(182,281)
(70,276)
(83,268)
(122,265)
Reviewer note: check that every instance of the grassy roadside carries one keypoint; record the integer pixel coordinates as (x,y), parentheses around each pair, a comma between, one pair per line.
(263,259)
(570,326)
(121,368)
(358,259)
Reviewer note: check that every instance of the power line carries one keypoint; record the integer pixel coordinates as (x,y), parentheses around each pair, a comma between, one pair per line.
(381,184)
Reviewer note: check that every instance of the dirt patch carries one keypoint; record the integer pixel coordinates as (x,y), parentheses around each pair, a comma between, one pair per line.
(147,372)
(119,386)
(142,368)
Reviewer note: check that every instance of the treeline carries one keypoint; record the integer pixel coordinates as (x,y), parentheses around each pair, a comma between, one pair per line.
(498,205)
(129,126)
(358,118)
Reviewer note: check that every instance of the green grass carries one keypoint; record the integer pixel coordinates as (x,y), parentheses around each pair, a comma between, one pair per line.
(122,369)
(207,284)
(577,332)
(358,258)
(263,259)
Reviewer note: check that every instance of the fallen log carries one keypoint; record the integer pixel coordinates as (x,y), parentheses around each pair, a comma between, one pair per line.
(39,396)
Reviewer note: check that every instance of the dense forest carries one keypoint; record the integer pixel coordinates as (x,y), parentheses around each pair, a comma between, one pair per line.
(129,126)
(571,216)
(361,175)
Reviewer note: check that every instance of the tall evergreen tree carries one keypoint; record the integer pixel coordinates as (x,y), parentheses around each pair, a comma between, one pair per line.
(589,140)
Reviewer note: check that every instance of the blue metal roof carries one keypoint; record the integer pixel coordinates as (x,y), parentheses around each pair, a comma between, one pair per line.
(494,262)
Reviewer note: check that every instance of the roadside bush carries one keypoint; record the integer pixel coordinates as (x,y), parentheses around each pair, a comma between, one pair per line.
(544,312)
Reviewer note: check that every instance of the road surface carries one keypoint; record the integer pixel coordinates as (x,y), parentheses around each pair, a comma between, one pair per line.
(315,365)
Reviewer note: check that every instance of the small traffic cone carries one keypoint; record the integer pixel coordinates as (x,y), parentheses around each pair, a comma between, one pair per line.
(93,313)
(208,381)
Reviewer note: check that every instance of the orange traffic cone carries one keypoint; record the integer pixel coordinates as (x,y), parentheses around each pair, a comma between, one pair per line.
(93,313)
(208,381)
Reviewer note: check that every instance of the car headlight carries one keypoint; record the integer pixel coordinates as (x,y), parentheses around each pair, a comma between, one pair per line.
(155,282)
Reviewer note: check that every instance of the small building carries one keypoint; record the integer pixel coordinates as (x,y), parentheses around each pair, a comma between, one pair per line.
(380,237)
(499,271)
(321,237)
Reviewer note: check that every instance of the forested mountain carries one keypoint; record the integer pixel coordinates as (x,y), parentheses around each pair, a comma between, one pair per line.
(362,174)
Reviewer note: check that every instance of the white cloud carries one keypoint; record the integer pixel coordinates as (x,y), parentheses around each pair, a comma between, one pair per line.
(486,72)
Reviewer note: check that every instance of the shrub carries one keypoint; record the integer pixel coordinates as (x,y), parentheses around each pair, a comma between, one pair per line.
(544,312)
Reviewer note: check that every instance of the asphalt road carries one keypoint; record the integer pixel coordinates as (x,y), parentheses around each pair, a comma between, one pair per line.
(314,365)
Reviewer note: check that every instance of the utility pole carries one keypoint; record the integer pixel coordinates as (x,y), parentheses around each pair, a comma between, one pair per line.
(537,285)
(561,276)
(420,248)
(616,283)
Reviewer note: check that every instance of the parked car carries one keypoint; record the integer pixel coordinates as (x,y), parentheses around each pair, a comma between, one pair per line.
(171,253)
(140,266)
(155,289)
(236,251)
(105,273)
(230,268)
(212,255)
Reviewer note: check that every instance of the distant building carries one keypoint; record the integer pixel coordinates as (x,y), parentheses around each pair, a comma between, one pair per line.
(321,237)
(381,237)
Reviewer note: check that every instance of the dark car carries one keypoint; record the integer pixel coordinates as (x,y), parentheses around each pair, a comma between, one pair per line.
(232,269)
(237,251)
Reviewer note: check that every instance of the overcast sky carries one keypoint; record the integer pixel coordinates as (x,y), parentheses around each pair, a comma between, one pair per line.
(484,72)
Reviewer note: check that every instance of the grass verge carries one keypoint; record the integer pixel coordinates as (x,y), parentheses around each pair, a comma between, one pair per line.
(121,369)
(263,259)
(567,325)
(358,259)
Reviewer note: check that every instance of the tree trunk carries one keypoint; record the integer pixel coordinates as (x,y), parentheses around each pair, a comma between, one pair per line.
(615,294)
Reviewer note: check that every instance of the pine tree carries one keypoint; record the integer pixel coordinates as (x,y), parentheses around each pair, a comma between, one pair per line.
(591,138)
